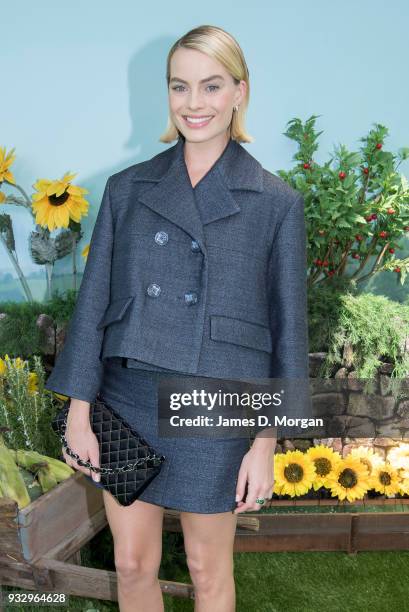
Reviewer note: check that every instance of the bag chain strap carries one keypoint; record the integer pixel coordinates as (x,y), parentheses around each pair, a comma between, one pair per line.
(129,467)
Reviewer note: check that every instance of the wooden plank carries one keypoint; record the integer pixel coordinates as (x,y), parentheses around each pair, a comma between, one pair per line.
(17,574)
(297,532)
(96,583)
(72,542)
(382,531)
(10,547)
(47,520)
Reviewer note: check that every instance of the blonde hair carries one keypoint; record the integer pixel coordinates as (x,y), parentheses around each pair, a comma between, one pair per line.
(221,46)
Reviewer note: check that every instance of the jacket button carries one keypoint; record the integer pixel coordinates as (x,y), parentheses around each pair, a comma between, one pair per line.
(195,246)
(191,298)
(161,237)
(153,290)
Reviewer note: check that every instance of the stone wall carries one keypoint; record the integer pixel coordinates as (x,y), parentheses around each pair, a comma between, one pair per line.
(354,416)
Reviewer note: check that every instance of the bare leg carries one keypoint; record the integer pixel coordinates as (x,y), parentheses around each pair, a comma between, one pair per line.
(137,535)
(209,540)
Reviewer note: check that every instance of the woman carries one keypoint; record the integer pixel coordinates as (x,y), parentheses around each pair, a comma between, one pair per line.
(196,267)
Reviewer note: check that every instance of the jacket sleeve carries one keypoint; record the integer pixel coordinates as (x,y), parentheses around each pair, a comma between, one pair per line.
(288,309)
(77,372)
(287,271)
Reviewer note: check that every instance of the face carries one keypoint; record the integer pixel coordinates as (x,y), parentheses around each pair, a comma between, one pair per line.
(201,95)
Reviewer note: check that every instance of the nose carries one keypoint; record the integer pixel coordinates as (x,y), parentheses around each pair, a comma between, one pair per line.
(195,100)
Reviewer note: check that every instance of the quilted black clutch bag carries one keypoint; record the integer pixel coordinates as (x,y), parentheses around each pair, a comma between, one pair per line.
(127,462)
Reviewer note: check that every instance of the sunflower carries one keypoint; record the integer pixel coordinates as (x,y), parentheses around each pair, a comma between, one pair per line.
(398,456)
(5,163)
(349,479)
(385,479)
(404,483)
(56,202)
(294,473)
(368,457)
(324,459)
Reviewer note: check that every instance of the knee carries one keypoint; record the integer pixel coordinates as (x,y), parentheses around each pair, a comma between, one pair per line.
(134,567)
(208,577)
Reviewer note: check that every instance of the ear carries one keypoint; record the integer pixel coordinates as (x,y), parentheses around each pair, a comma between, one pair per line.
(240,93)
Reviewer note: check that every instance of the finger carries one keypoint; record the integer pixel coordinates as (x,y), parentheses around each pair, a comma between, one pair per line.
(241,485)
(251,500)
(244,505)
(94,459)
(252,496)
(72,463)
(67,458)
(243,508)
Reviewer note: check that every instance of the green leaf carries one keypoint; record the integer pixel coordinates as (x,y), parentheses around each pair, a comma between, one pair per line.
(343,223)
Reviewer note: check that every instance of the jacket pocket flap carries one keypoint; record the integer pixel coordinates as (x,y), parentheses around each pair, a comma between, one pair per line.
(115,311)
(244,333)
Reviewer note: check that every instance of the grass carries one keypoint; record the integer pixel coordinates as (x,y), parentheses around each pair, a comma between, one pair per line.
(298,582)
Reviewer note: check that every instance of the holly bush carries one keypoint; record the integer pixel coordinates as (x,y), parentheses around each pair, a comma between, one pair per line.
(356,205)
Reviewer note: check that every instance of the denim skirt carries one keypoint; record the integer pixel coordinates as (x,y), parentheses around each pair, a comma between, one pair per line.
(198,474)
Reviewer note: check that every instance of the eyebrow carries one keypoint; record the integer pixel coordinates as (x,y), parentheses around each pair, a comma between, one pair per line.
(210,78)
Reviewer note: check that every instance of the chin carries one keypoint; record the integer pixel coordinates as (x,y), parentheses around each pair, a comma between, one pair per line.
(200,136)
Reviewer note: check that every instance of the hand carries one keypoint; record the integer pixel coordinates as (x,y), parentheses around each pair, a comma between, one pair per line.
(256,471)
(81,440)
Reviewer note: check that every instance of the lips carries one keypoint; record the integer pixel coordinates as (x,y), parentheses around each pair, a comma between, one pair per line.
(198,120)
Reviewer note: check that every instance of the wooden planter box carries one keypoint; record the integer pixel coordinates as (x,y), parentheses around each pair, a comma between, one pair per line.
(299,525)
(40,545)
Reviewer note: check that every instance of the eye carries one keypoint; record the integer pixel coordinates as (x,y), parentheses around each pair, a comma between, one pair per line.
(213,87)
(177,87)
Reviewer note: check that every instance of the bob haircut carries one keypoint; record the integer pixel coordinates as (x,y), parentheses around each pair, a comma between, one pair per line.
(221,46)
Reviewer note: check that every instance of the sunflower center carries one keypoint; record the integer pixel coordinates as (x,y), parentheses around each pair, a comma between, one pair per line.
(293,472)
(322,466)
(384,478)
(347,478)
(58,200)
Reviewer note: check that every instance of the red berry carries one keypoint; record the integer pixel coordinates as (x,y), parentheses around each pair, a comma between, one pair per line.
(365,170)
(325,263)
(397,269)
(391,250)
(306,166)
(331,272)
(369,218)
(319,262)
(390,211)
(383,234)
(358,237)
(374,216)
(355,255)
(406,228)
(342,175)
(379,145)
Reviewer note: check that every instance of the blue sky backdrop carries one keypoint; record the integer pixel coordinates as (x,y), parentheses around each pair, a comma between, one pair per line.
(83,85)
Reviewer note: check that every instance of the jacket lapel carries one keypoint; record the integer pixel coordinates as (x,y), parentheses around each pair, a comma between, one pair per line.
(171,195)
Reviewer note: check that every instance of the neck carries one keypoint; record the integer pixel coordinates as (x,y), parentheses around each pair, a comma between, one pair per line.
(202,155)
